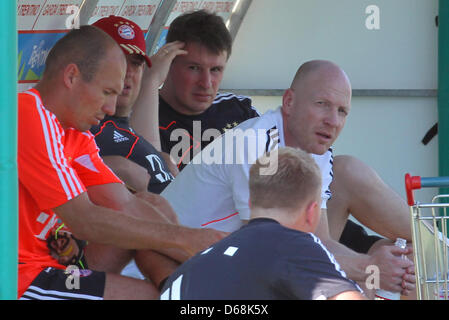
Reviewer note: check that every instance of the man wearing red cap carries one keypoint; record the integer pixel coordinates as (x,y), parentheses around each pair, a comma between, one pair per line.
(134,156)
(115,137)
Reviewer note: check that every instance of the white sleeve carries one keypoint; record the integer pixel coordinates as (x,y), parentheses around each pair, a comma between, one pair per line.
(245,155)
(240,189)
(325,163)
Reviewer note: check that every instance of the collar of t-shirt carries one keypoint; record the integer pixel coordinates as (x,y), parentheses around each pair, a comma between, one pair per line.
(261,220)
(168,109)
(115,119)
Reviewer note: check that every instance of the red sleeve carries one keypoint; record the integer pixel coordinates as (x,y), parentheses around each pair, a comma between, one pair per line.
(89,165)
(44,169)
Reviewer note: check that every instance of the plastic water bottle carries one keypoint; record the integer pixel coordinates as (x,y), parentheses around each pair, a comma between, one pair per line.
(388,295)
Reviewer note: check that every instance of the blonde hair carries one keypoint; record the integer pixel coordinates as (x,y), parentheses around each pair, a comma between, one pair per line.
(296,179)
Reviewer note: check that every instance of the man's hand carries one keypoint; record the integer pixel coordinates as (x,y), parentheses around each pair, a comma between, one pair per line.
(205,238)
(409,282)
(64,247)
(145,116)
(196,240)
(396,272)
(409,278)
(161,62)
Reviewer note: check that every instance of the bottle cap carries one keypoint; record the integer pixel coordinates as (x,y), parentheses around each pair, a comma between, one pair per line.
(401,243)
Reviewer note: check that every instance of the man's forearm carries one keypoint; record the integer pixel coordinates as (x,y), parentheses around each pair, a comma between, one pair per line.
(145,116)
(174,241)
(99,224)
(113,227)
(354,264)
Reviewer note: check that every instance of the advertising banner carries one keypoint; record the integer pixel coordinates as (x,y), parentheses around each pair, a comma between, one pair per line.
(41,23)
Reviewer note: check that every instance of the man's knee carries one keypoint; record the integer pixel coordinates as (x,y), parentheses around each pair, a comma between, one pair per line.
(107,258)
(123,288)
(159,203)
(155,266)
(346,165)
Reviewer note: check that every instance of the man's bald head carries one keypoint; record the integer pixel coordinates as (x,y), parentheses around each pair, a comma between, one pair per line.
(319,68)
(85,47)
(316,105)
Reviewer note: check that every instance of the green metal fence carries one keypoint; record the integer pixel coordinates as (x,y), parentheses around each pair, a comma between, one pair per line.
(8,153)
(443,88)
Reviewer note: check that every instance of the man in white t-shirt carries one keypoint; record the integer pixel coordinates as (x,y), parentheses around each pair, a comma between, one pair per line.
(212,190)
(215,184)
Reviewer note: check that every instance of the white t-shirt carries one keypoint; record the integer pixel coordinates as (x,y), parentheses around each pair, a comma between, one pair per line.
(212,191)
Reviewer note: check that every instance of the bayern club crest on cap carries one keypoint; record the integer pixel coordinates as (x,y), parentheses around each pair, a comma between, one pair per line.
(126,32)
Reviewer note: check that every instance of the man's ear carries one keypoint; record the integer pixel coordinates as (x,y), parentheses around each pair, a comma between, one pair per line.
(312,215)
(287,100)
(71,75)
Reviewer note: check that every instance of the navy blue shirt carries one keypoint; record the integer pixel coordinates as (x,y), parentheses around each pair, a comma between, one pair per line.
(262,261)
(226,112)
(115,137)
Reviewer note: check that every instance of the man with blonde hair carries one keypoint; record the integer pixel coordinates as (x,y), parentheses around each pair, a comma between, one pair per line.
(313,112)
(274,256)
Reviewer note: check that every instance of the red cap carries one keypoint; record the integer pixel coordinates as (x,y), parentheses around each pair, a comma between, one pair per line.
(126,33)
